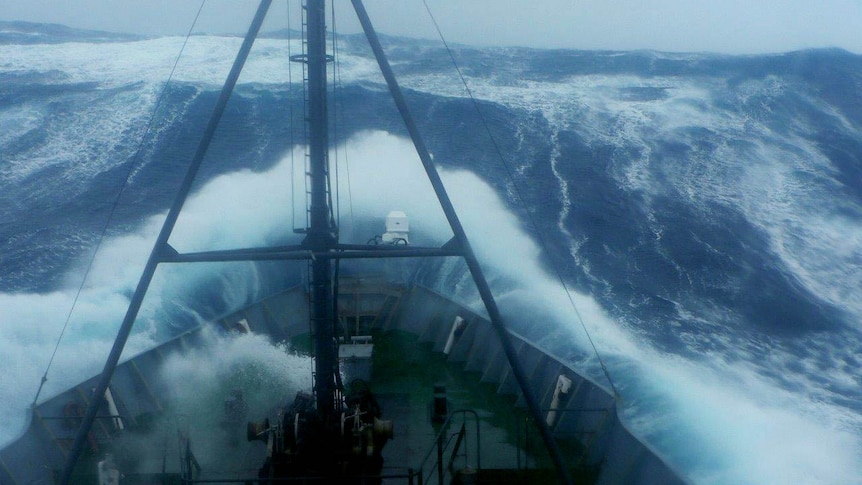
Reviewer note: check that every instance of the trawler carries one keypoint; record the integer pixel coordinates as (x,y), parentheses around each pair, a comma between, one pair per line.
(408,386)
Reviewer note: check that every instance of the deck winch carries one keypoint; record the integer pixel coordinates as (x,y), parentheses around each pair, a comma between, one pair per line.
(302,444)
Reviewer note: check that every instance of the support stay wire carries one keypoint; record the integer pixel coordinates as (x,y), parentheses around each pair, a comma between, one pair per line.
(531,219)
(135,160)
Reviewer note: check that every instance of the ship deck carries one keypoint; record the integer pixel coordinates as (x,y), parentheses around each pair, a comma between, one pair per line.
(409,327)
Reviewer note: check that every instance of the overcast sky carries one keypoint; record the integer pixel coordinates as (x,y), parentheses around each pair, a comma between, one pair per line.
(730,26)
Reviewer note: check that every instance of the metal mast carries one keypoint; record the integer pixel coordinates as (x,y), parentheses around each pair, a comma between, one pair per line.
(321,234)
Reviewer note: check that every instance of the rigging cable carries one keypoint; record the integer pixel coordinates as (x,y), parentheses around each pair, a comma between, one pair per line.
(529,213)
(339,102)
(290,108)
(335,60)
(337,208)
(306,115)
(116,202)
(336,83)
(328,169)
(303,20)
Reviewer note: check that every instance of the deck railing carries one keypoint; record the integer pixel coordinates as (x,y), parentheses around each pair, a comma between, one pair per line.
(444,445)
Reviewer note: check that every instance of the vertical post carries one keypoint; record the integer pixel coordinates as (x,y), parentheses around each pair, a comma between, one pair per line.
(518,440)
(440,458)
(320,232)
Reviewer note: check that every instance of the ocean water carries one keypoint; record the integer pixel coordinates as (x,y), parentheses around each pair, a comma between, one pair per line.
(705,210)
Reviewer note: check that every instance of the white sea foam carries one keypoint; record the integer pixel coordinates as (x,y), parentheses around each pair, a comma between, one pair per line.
(198,382)
(16,122)
(726,424)
(206,60)
(31,326)
(783,185)
(81,143)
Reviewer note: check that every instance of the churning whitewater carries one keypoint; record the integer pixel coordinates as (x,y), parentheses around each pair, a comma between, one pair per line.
(705,209)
